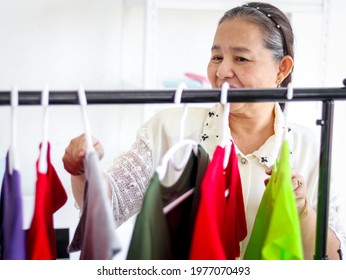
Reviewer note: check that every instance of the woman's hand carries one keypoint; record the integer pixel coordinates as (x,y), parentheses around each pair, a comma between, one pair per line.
(75,152)
(299,188)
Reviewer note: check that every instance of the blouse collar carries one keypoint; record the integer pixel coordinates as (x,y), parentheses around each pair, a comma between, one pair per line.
(266,154)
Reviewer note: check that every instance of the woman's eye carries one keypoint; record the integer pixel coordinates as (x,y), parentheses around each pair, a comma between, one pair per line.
(216,58)
(241,59)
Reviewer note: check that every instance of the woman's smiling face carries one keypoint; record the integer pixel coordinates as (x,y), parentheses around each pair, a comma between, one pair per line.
(238,56)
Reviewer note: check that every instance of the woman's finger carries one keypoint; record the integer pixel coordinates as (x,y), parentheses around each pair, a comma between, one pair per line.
(268,171)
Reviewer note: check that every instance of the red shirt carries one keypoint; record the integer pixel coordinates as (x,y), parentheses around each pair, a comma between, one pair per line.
(220,224)
(50,197)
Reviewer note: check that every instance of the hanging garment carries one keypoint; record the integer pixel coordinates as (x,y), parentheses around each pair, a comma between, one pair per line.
(159,236)
(220,224)
(12,234)
(276,231)
(2,169)
(95,235)
(50,196)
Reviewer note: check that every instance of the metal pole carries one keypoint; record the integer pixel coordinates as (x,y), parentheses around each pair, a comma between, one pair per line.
(69,97)
(324,180)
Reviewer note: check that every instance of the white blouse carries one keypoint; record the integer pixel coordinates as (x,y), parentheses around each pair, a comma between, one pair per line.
(131,172)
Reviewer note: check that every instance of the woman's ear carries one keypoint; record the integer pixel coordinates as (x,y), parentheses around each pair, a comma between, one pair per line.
(285,67)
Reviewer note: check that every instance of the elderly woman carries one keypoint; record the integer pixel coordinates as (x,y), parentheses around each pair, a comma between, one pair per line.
(252,48)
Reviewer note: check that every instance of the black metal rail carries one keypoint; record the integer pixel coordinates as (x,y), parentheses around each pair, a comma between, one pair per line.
(325,95)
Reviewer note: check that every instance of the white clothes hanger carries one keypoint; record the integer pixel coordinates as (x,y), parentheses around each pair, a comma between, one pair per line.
(83,105)
(286,112)
(169,154)
(42,163)
(177,100)
(226,143)
(13,160)
(190,144)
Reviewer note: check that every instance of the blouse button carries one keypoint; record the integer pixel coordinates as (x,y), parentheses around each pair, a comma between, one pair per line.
(243,161)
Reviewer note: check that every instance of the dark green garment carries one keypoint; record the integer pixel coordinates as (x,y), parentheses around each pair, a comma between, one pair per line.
(159,236)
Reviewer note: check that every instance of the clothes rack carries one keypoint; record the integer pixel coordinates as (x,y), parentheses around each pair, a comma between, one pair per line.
(69,97)
(326,95)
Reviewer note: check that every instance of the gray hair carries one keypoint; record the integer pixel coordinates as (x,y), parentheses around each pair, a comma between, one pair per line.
(277,30)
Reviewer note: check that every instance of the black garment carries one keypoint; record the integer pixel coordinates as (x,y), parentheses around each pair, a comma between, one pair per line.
(160,236)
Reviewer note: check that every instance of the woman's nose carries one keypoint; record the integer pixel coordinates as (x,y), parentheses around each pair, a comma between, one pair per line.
(225,70)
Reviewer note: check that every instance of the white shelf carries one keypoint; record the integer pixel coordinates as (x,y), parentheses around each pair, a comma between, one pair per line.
(152,8)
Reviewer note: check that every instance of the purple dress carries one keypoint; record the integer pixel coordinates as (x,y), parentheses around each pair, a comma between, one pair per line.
(12,234)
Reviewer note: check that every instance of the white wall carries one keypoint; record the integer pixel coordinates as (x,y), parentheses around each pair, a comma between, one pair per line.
(99,44)
(60,42)
(335,73)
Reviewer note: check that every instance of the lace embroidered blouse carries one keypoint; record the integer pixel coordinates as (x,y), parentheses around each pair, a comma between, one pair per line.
(131,172)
